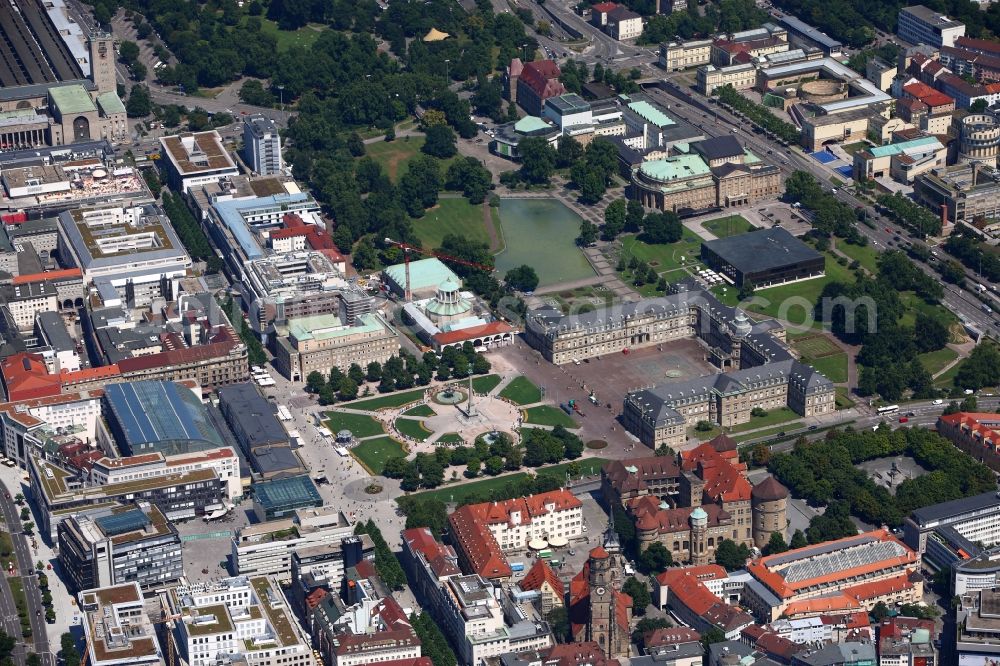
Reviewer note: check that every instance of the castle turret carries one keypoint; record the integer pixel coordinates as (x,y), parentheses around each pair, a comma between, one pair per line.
(699,541)
(768,508)
(645,530)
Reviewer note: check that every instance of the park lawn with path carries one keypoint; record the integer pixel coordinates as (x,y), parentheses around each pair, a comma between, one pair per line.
(947,378)
(823,355)
(451,215)
(360,425)
(413,428)
(550,416)
(773,417)
(767,432)
(521,391)
(665,257)
(731,225)
(304,37)
(395,156)
(450,438)
(420,410)
(397,399)
(935,360)
(866,255)
(372,453)
(588,467)
(486,383)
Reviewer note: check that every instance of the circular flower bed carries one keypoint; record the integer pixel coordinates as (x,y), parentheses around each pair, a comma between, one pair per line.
(596,444)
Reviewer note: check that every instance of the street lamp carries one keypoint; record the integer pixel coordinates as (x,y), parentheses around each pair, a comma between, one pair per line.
(447,69)
(281,96)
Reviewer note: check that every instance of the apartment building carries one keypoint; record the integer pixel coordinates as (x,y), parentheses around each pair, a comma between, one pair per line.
(262,145)
(117,628)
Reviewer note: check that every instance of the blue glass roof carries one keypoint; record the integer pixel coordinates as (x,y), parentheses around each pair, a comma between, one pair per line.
(152,412)
(121,523)
(287,493)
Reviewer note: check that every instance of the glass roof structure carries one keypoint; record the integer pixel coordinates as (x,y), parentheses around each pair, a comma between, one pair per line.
(159,416)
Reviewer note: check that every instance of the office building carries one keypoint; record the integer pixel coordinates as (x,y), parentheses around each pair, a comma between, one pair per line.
(765,257)
(616,20)
(68,281)
(862,569)
(223,460)
(117,628)
(124,544)
(922,25)
(369,628)
(26,301)
(57,347)
(268,548)
(240,617)
(262,145)
(483,532)
(131,255)
(28,425)
(195,158)
(321,342)
(478,624)
(901,161)
(59,493)
(676,56)
(975,518)
(961,192)
(977,622)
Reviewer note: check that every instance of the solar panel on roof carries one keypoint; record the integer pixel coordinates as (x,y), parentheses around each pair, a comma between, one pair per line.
(120,523)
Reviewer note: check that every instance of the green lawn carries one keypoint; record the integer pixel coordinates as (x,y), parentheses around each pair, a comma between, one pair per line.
(387,400)
(550,416)
(420,410)
(457,492)
(947,380)
(852,148)
(450,438)
(304,37)
(791,301)
(914,305)
(704,435)
(843,397)
(372,453)
(485,384)
(361,425)
(664,257)
(867,255)
(395,156)
(935,360)
(451,216)
(767,432)
(521,392)
(413,428)
(588,467)
(833,367)
(730,225)
(774,417)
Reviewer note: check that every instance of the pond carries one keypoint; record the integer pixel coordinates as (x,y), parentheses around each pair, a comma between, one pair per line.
(541,234)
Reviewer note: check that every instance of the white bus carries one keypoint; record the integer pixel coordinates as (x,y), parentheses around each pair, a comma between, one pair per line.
(888,409)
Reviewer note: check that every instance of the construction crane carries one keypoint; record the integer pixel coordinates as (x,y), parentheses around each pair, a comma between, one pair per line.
(407,249)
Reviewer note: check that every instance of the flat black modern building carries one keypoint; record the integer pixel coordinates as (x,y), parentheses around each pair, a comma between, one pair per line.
(766,257)
(259,433)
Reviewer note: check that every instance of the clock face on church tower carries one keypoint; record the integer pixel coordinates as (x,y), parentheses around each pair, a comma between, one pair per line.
(599,591)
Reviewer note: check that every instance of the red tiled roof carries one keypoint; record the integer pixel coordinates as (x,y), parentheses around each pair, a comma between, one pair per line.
(979,425)
(604,7)
(761,570)
(686,586)
(473,332)
(439,556)
(927,95)
(26,376)
(586,653)
(541,573)
(542,76)
(652,468)
(49,276)
(671,636)
(599,553)
(289,233)
(838,602)
(478,544)
(972,44)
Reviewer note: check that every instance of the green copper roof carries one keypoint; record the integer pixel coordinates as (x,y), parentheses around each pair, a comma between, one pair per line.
(530,124)
(326,326)
(897,148)
(424,274)
(110,103)
(651,114)
(72,99)
(675,168)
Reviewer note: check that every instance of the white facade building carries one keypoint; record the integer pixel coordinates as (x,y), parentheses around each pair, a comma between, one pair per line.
(117,629)
(922,25)
(151,465)
(262,145)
